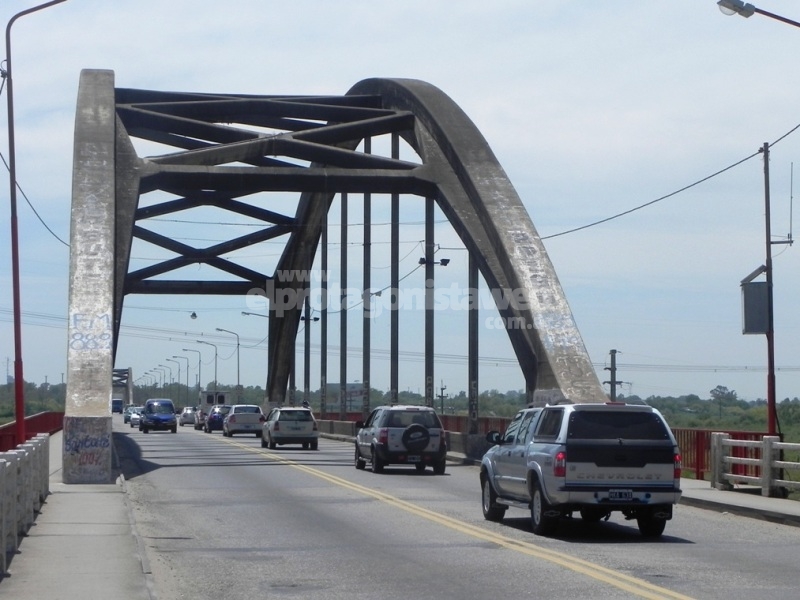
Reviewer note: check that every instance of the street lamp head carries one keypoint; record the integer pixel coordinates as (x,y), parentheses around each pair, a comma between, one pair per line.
(193,315)
(443,262)
(733,7)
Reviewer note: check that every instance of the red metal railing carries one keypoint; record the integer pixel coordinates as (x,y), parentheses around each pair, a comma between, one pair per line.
(44,422)
(695,445)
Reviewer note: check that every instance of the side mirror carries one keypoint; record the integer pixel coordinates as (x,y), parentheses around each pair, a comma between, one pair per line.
(359,424)
(494,438)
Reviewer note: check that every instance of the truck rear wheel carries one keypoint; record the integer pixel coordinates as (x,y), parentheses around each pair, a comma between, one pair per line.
(650,527)
(541,523)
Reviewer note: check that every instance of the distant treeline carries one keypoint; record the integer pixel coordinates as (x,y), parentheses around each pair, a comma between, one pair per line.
(722,409)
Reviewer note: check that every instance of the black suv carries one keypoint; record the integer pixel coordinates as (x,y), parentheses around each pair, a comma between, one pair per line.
(407,435)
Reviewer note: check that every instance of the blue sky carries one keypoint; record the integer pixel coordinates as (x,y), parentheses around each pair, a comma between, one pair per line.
(593,109)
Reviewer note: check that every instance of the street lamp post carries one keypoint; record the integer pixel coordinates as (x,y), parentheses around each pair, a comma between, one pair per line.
(732,7)
(252,314)
(238,386)
(161,373)
(170,375)
(307,352)
(178,379)
(216,355)
(199,362)
(186,358)
(19,381)
(168,368)
(428,262)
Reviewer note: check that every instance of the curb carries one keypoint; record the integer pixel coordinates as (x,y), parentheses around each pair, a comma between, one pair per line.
(742,511)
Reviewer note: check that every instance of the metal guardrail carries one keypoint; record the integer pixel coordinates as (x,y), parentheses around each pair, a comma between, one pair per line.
(758,463)
(24,486)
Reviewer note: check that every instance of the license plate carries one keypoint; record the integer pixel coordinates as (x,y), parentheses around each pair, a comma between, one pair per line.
(414,459)
(620,495)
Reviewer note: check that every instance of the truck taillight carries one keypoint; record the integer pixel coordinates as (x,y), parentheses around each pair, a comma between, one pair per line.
(232,419)
(261,419)
(677,459)
(277,426)
(314,427)
(383,436)
(560,465)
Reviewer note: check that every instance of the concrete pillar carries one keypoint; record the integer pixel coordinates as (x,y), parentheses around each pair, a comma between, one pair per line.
(87,419)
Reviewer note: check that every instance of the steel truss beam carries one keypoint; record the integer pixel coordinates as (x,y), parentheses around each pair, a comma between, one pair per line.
(226,149)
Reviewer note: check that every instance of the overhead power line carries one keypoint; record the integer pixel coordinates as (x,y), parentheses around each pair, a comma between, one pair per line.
(676,192)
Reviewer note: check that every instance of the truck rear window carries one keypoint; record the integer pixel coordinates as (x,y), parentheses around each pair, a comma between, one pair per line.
(596,425)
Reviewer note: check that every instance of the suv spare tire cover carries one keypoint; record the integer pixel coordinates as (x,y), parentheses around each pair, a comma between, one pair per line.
(416,437)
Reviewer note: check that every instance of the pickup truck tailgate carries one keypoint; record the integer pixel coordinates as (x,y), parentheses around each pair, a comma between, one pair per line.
(631,463)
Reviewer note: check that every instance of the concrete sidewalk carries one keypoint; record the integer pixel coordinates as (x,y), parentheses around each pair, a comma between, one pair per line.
(83,543)
(743,500)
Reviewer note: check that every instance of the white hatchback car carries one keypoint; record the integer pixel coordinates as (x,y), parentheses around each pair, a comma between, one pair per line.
(290,425)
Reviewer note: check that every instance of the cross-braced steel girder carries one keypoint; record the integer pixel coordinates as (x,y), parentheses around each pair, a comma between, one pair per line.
(223,150)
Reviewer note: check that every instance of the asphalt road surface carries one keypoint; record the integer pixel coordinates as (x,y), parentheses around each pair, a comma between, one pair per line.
(222,517)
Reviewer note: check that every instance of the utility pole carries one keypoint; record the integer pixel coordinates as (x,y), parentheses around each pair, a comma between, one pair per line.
(441,398)
(613,369)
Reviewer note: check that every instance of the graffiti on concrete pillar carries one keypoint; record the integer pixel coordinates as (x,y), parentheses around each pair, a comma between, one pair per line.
(87,449)
(90,332)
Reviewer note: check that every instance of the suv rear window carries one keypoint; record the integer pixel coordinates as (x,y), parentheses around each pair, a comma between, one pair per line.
(402,418)
(612,425)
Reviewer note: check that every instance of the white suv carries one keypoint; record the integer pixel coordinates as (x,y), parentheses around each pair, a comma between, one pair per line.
(401,435)
(290,425)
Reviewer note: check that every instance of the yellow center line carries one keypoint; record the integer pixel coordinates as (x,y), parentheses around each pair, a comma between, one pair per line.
(634,585)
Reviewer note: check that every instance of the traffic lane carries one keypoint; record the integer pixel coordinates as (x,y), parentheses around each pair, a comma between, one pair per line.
(279,527)
(707,562)
(699,554)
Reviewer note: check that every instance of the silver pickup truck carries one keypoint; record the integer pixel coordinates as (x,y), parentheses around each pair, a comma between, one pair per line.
(591,458)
